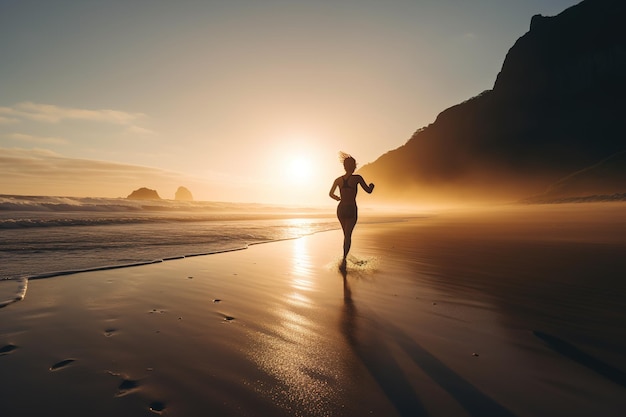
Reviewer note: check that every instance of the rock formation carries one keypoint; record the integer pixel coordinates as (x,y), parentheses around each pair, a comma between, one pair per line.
(557,107)
(144,194)
(183,194)
(603,181)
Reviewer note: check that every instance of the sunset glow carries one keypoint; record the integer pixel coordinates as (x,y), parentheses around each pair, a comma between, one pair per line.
(300,170)
(227,99)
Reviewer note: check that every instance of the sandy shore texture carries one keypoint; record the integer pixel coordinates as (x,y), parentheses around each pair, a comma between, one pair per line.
(510,312)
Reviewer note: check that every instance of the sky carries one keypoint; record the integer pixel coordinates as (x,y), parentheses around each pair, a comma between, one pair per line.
(239,100)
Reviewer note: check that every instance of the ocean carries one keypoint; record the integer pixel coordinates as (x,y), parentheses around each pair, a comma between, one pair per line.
(47,236)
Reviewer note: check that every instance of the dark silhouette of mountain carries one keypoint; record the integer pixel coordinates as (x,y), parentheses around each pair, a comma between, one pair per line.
(557,107)
(603,181)
(144,193)
(183,194)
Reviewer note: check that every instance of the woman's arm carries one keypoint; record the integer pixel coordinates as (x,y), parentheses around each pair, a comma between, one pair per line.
(332,194)
(368,188)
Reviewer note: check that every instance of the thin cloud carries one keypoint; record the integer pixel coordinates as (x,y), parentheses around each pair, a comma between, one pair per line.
(8,120)
(44,140)
(137,130)
(43,172)
(467,37)
(55,114)
(27,112)
(52,163)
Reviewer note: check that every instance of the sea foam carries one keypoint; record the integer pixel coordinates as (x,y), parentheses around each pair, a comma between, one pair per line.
(16,291)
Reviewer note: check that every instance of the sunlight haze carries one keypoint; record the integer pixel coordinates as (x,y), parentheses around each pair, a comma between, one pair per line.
(240,101)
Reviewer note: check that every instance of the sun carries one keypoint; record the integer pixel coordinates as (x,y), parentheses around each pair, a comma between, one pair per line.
(300,169)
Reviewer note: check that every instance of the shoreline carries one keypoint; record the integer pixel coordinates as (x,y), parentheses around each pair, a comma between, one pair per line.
(455,314)
(21,292)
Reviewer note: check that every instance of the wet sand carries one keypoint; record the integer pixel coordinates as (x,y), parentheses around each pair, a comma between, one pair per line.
(506,312)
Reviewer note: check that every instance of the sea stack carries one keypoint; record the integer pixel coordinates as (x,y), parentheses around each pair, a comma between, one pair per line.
(183,194)
(144,193)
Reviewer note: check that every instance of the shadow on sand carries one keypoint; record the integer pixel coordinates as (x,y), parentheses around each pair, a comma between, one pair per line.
(572,352)
(363,333)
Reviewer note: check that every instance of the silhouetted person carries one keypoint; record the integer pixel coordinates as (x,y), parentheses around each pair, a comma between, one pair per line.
(347,211)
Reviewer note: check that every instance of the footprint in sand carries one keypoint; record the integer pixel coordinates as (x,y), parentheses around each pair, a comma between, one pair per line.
(226,317)
(126,387)
(157,407)
(109,332)
(61,364)
(5,350)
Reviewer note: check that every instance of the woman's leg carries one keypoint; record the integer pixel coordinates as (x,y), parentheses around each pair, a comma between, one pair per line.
(348,226)
(347,217)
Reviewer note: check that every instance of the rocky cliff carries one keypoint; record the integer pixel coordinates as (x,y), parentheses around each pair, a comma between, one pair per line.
(557,107)
(603,181)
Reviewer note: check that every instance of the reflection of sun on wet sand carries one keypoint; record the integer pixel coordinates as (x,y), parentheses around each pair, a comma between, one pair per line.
(516,312)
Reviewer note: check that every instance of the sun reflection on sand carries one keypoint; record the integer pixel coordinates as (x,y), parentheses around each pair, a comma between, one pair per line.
(297,299)
(301,275)
(292,349)
(301,268)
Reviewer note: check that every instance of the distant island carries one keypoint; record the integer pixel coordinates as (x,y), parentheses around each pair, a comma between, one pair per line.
(183,194)
(144,193)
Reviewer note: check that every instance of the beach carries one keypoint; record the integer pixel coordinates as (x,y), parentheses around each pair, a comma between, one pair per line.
(515,311)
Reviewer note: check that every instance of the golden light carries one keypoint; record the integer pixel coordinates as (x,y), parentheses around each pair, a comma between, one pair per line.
(300,169)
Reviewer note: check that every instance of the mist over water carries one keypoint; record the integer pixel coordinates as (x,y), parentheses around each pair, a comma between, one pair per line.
(41,235)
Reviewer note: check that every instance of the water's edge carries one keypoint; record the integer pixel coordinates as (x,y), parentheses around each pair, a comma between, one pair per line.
(22,282)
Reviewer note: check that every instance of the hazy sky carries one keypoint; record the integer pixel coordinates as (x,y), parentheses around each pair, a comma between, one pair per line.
(238,100)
